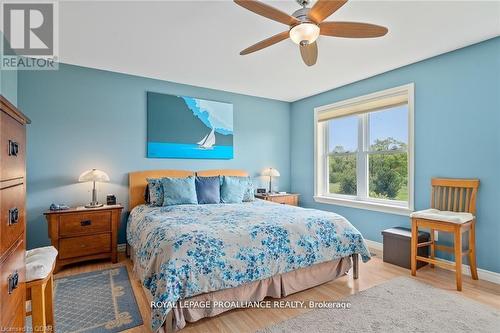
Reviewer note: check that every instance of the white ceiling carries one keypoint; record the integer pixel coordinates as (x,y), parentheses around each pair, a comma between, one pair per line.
(198,42)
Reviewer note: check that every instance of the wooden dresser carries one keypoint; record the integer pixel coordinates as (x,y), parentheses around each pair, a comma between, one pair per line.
(12,217)
(285,198)
(81,234)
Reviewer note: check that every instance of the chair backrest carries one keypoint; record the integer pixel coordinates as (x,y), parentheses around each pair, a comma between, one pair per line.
(457,195)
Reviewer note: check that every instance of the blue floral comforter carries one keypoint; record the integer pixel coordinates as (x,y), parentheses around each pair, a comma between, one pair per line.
(187,250)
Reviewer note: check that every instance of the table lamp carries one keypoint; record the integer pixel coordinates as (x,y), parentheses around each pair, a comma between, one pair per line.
(270,172)
(94,175)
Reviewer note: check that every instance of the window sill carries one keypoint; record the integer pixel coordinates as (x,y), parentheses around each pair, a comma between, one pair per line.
(374,206)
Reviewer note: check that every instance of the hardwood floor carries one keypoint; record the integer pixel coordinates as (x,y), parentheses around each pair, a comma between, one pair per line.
(248,320)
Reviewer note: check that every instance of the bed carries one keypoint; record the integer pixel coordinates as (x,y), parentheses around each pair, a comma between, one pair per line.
(188,256)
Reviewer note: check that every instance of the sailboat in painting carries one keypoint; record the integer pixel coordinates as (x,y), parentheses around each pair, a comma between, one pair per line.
(208,141)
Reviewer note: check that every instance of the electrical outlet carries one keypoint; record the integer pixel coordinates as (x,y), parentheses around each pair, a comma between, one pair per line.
(436,235)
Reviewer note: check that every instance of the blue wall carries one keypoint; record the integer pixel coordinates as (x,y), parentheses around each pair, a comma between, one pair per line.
(8,85)
(84,118)
(457,134)
(8,81)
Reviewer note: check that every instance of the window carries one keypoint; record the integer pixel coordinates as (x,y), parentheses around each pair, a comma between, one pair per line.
(364,151)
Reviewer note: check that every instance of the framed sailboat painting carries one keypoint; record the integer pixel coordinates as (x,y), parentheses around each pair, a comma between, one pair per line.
(187,127)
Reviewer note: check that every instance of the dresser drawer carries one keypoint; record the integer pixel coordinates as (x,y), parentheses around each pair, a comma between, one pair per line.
(12,148)
(84,245)
(12,215)
(17,323)
(12,283)
(84,224)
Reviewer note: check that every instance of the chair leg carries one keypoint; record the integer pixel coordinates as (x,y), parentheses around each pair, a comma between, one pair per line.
(414,241)
(458,257)
(38,321)
(472,251)
(432,247)
(49,304)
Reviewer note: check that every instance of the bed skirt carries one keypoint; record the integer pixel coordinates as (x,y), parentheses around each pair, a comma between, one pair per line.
(277,286)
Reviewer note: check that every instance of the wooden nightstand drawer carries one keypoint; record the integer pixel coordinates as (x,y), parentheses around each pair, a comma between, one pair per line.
(84,224)
(84,245)
(12,215)
(12,282)
(284,199)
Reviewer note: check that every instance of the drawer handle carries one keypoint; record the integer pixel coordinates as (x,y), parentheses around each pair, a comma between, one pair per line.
(13,281)
(85,223)
(13,216)
(13,148)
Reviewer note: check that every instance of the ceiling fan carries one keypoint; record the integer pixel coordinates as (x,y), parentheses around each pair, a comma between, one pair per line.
(306,24)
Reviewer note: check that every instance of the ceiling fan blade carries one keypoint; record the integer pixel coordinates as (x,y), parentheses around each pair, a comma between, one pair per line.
(267,11)
(352,29)
(266,42)
(324,8)
(309,53)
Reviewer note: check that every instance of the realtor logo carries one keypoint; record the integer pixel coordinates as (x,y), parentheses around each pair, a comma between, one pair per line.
(29,28)
(30,39)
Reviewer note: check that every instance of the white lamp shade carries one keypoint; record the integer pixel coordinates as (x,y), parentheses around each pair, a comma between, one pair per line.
(94,175)
(304,32)
(270,172)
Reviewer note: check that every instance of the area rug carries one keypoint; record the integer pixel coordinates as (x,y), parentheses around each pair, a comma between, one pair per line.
(99,301)
(400,305)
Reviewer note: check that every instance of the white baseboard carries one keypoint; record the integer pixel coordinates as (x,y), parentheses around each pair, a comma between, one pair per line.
(482,273)
(121,247)
(374,245)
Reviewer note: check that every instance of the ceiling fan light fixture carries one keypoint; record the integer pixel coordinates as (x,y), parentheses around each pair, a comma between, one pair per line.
(304,33)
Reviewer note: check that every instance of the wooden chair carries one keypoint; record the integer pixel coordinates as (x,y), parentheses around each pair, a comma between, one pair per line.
(453,209)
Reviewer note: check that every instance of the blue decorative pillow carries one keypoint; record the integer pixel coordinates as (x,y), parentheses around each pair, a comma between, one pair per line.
(155,189)
(179,191)
(247,182)
(233,189)
(208,190)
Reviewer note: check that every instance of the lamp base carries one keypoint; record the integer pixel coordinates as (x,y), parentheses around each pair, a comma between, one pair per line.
(94,205)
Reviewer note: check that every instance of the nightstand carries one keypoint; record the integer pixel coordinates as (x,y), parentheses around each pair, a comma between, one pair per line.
(81,234)
(285,199)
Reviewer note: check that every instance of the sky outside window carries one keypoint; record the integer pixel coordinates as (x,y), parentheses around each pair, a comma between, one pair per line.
(391,122)
(343,132)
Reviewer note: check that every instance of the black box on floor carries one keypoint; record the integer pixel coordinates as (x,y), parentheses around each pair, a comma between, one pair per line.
(397,246)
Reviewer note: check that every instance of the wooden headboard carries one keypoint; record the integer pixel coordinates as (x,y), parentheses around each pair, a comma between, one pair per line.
(222,172)
(138,180)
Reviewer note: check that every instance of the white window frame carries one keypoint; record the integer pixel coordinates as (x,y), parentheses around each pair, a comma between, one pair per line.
(361,200)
